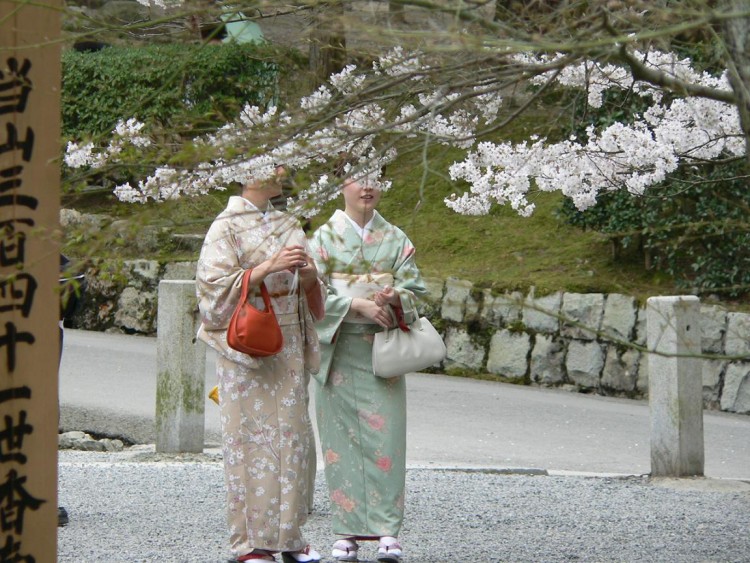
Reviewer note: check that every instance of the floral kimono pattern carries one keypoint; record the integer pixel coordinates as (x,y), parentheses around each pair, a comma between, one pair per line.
(362,418)
(267,438)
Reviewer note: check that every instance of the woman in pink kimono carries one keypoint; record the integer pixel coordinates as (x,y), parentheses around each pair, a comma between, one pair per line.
(368,265)
(267,438)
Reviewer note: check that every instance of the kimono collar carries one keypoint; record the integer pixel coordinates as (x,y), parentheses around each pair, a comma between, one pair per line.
(240,204)
(357,229)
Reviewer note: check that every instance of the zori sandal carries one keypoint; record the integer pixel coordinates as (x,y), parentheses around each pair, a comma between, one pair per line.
(307,555)
(345,550)
(389,550)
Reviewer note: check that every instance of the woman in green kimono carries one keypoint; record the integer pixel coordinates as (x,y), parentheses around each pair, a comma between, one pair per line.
(372,278)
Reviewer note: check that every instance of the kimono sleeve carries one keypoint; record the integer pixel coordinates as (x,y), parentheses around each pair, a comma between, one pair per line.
(337,306)
(218,277)
(408,280)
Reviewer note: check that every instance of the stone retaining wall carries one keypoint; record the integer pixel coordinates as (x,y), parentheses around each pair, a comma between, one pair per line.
(592,343)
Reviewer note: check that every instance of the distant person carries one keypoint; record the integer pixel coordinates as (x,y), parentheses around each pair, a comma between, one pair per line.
(267,437)
(372,278)
(71,290)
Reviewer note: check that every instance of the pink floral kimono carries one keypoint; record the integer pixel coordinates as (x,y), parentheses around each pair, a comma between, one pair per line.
(268,444)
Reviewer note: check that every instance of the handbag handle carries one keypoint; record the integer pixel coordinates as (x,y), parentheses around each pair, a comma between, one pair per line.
(417,324)
(246,289)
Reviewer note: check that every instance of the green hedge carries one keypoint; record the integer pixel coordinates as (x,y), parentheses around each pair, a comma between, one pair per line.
(184,86)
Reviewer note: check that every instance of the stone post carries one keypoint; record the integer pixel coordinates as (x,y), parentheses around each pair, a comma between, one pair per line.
(181,371)
(675,386)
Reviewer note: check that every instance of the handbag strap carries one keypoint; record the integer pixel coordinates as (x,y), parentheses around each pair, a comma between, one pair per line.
(246,289)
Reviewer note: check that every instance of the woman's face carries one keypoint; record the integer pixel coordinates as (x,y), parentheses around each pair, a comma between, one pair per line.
(360,199)
(271,187)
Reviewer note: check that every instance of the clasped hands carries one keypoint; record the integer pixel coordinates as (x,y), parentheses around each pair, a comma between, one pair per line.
(378,309)
(292,258)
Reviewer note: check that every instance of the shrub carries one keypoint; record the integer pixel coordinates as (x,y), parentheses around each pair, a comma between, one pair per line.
(185,86)
(694,227)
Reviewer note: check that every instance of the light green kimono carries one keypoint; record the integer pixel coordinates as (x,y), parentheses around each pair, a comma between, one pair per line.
(362,418)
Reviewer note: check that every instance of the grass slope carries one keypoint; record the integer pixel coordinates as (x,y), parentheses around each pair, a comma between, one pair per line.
(501,250)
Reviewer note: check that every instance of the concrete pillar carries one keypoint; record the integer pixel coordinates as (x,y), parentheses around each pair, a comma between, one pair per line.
(675,386)
(181,371)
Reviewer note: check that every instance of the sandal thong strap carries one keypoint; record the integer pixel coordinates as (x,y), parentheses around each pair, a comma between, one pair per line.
(345,550)
(345,545)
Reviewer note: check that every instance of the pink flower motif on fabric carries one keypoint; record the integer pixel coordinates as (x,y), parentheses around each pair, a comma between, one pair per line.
(408,251)
(374,420)
(331,456)
(339,498)
(384,463)
(337,378)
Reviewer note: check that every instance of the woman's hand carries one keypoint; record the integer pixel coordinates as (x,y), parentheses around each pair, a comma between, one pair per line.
(308,274)
(288,258)
(371,310)
(388,296)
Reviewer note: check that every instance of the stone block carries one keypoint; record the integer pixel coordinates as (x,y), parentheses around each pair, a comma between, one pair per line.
(501,310)
(430,304)
(582,315)
(434,288)
(542,314)
(620,370)
(711,371)
(641,330)
(620,313)
(142,272)
(737,342)
(713,328)
(508,354)
(736,394)
(180,271)
(454,300)
(136,311)
(547,359)
(641,381)
(462,352)
(584,363)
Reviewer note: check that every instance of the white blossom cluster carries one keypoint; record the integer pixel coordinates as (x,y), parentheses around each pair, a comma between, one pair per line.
(356,132)
(164,4)
(630,156)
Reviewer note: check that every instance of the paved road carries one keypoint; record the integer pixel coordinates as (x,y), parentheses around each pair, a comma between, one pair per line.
(107,385)
(141,506)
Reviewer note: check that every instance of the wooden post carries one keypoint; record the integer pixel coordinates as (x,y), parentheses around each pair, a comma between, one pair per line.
(29,273)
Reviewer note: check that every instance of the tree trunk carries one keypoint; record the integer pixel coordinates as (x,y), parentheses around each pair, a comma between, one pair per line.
(396,12)
(328,40)
(737,37)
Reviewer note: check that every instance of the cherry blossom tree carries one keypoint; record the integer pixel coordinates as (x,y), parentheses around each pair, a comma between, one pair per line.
(476,70)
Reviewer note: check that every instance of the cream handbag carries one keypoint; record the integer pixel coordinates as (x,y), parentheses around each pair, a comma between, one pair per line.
(396,351)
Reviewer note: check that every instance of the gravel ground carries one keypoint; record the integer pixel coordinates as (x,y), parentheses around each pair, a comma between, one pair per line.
(140,506)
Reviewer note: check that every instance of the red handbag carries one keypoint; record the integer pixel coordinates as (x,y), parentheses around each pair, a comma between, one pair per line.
(252,331)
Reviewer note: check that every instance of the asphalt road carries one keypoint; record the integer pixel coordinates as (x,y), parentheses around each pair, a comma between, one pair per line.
(108,386)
